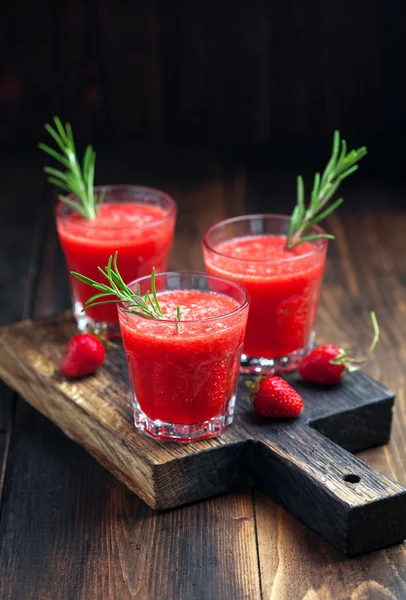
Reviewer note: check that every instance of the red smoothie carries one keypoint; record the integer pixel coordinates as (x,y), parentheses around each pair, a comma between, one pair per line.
(187,376)
(142,234)
(283,286)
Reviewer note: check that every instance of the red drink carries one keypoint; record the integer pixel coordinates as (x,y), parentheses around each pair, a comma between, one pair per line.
(283,285)
(184,379)
(138,222)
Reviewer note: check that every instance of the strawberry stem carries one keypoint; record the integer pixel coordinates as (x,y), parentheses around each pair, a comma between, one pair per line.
(101,334)
(354,364)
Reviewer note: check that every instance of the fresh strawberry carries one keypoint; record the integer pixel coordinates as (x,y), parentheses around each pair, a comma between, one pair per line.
(328,364)
(325,364)
(84,354)
(274,397)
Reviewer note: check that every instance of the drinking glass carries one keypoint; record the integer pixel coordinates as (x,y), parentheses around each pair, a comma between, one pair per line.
(138,222)
(283,285)
(184,375)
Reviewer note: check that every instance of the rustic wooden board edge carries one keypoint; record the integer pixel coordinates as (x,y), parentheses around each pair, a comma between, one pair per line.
(360,428)
(213,475)
(376,521)
(79,426)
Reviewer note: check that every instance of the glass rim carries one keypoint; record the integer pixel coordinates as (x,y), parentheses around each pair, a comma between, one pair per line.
(322,243)
(169,214)
(235,284)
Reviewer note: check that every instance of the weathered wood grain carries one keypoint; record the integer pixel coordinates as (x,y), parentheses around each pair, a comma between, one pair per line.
(365,270)
(298,467)
(20,235)
(70,530)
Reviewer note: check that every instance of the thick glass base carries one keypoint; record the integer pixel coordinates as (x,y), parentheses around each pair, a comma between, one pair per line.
(177,432)
(87,325)
(251,365)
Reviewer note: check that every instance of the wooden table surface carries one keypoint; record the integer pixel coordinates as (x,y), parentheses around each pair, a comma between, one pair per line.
(68,529)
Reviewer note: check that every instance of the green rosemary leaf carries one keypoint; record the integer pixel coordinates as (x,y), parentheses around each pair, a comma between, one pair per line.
(343,153)
(95,284)
(77,195)
(318,236)
(340,165)
(327,212)
(327,193)
(149,300)
(310,238)
(353,157)
(69,135)
(68,201)
(88,172)
(300,197)
(61,130)
(112,278)
(154,294)
(91,304)
(54,154)
(333,159)
(348,172)
(177,318)
(139,303)
(293,225)
(74,205)
(133,311)
(108,267)
(113,261)
(86,162)
(98,296)
(59,184)
(55,173)
(116,279)
(315,192)
(117,273)
(58,139)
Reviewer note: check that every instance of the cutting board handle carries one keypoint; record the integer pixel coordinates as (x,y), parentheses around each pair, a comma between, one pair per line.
(354,506)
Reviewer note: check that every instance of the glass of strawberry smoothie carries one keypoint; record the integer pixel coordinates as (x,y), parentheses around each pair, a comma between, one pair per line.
(184,375)
(283,285)
(138,222)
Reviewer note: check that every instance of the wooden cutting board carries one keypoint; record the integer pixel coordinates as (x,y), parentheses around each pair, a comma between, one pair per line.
(304,464)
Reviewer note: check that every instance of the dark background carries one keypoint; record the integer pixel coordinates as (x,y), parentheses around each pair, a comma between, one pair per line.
(264,77)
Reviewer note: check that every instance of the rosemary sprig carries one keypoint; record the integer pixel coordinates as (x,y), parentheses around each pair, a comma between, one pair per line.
(74,179)
(145,306)
(341,165)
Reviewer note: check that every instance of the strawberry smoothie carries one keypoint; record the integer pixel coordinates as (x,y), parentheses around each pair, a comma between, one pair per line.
(184,375)
(138,222)
(283,286)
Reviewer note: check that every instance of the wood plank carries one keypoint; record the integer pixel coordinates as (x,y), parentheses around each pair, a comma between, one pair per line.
(69,529)
(20,246)
(355,266)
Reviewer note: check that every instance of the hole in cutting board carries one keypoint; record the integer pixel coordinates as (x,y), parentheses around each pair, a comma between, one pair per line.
(351,478)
